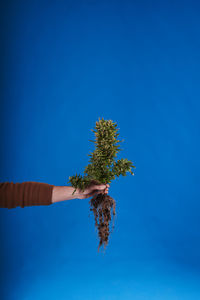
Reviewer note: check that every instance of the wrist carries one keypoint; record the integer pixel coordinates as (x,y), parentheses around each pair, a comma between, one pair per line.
(62,193)
(73,194)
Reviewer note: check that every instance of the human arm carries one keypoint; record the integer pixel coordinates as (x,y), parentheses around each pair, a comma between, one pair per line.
(32,193)
(62,193)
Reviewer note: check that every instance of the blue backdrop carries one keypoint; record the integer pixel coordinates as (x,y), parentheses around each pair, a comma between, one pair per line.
(64,64)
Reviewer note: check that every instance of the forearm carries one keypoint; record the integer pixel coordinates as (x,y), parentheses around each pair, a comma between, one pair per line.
(62,193)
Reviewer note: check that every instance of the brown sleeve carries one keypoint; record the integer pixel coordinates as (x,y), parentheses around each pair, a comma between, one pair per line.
(25,194)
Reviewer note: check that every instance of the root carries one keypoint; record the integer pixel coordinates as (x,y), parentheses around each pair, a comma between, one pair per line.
(101,205)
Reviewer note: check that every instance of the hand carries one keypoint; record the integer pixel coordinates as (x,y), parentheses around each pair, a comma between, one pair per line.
(93,190)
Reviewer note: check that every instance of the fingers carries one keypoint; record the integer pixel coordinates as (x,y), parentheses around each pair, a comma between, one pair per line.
(101,191)
(96,192)
(106,188)
(104,191)
(100,187)
(93,193)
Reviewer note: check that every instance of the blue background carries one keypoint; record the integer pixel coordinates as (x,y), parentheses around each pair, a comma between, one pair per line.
(64,64)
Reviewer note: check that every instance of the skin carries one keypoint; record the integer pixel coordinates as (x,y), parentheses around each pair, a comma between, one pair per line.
(63,193)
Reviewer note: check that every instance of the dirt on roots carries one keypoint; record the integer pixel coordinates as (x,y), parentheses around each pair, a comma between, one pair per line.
(102,206)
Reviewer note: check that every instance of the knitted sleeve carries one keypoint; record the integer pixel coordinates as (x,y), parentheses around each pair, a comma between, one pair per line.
(25,194)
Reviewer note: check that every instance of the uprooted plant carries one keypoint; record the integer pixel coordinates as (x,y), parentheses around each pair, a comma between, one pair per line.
(102,169)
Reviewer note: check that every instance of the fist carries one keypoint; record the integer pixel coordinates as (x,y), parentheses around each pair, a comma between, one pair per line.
(93,190)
